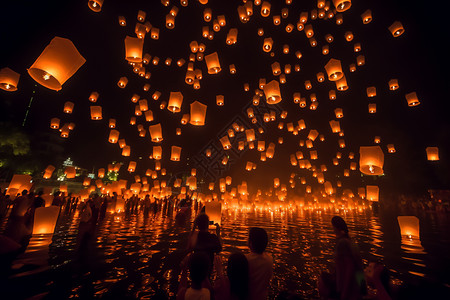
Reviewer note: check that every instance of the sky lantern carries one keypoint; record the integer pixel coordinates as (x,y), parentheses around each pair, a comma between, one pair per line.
(126,151)
(122,21)
(272,92)
(133,49)
(112,123)
(175,101)
(93,96)
(212,63)
(48,171)
(170,21)
(372,193)
(70,172)
(276,20)
(372,108)
(68,107)
(360,60)
(390,148)
(175,153)
(371,160)
(232,36)
(225,141)
(95,5)
(156,133)
(9,80)
(342,5)
(265,8)
(154,33)
(45,219)
(366,16)
(267,44)
(220,100)
(96,112)
(132,166)
(393,84)
(122,83)
(432,153)
(412,99)
(396,29)
(197,113)
(335,126)
(371,91)
(56,64)
(334,69)
(101,173)
(341,84)
(157,152)
(113,136)
(409,226)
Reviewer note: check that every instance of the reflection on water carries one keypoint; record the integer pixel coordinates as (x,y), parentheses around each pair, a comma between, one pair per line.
(130,256)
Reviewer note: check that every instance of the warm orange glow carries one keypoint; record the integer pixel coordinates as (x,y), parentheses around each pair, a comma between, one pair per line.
(371,160)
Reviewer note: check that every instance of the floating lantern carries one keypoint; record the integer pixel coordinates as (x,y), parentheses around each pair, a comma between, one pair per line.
(267,44)
(342,5)
(122,83)
(96,112)
(371,91)
(113,136)
(335,126)
(372,108)
(341,84)
(9,80)
(212,63)
(197,113)
(409,226)
(175,101)
(126,151)
(393,84)
(232,36)
(101,173)
(132,166)
(371,160)
(56,64)
(70,172)
(225,142)
(272,92)
(334,70)
(157,152)
(220,100)
(265,9)
(49,171)
(93,97)
(412,99)
(391,148)
(133,49)
(45,219)
(95,5)
(432,153)
(396,29)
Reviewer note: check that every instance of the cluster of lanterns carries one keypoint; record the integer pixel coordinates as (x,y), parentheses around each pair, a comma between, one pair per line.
(60,60)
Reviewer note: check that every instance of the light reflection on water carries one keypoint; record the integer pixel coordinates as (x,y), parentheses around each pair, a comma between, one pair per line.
(132,256)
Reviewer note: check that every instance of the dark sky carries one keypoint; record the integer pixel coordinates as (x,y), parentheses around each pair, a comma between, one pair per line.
(418,59)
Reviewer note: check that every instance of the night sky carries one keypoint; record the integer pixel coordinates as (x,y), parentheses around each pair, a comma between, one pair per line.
(418,59)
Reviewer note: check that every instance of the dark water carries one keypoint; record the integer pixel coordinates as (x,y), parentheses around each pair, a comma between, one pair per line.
(134,257)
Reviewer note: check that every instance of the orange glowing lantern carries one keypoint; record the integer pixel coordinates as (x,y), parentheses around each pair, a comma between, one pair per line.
(432,153)
(126,151)
(412,99)
(70,172)
(342,5)
(212,63)
(372,193)
(132,166)
(113,136)
(96,112)
(197,113)
(272,92)
(265,8)
(45,219)
(175,101)
(156,133)
(133,49)
(175,153)
(9,80)
(396,29)
(409,226)
(371,160)
(391,148)
(122,83)
(49,171)
(267,44)
(366,16)
(393,84)
(56,64)
(93,97)
(334,70)
(225,142)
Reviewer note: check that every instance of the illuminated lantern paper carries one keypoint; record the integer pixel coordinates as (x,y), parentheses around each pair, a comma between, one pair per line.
(265,9)
(393,84)
(132,166)
(197,113)
(175,101)
(342,5)
(432,153)
(112,123)
(272,92)
(9,80)
(212,63)
(175,153)
(113,136)
(96,112)
(54,123)
(214,211)
(156,133)
(371,160)
(70,172)
(267,44)
(48,171)
(157,152)
(93,97)
(95,5)
(396,29)
(126,151)
(68,107)
(56,64)
(19,183)
(133,49)
(412,99)
(334,70)
(366,16)
(341,84)
(45,219)
(409,226)
(225,142)
(101,173)
(391,148)
(122,83)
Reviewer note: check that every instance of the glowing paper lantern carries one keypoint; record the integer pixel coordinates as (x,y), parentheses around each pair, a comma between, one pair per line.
(70,172)
(157,152)
(132,166)
(225,142)
(412,99)
(432,153)
(214,211)
(96,112)
(371,160)
(48,171)
(113,136)
(175,153)
(366,16)
(272,92)
(334,70)
(133,49)
(212,63)
(9,80)
(342,5)
(95,5)
(175,101)
(409,226)
(156,133)
(56,64)
(267,44)
(45,219)
(197,113)
(396,29)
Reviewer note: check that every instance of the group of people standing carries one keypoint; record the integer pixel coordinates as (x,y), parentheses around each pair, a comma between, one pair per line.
(248,276)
